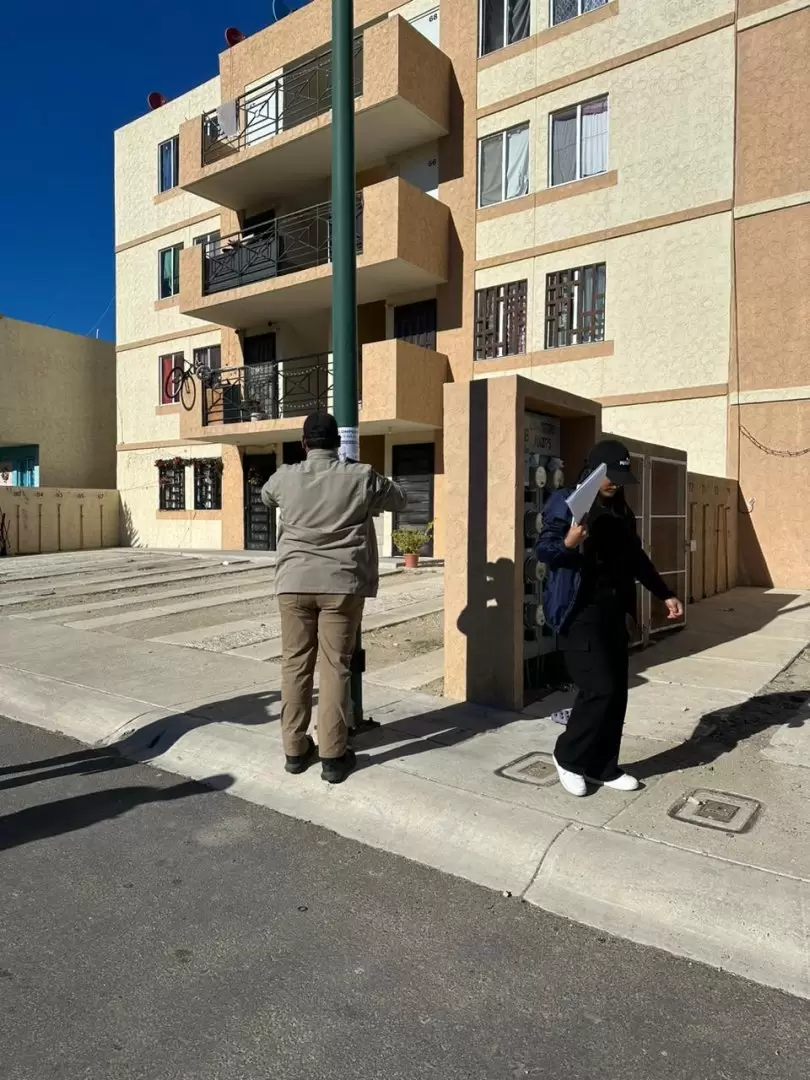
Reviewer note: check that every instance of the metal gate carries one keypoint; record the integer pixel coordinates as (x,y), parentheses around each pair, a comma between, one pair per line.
(413,468)
(260,521)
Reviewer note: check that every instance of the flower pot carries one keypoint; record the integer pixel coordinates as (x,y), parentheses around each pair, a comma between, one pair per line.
(411,560)
(256,416)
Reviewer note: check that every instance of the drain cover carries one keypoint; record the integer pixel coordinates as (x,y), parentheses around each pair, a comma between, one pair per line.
(717,810)
(536,768)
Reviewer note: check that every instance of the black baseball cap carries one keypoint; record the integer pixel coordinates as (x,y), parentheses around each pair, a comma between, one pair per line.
(616,456)
(320,429)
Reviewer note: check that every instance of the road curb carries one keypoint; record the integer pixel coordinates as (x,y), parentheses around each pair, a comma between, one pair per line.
(729,915)
(732,916)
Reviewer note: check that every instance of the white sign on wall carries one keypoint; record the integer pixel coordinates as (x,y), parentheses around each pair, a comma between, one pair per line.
(6,474)
(541,434)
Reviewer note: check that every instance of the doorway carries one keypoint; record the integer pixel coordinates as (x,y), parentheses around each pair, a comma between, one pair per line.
(260,520)
(416,323)
(261,376)
(412,466)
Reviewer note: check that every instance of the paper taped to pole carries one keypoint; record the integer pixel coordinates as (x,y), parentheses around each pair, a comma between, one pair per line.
(580,501)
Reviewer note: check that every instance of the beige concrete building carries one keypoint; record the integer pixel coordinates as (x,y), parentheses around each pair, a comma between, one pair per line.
(609,197)
(57,423)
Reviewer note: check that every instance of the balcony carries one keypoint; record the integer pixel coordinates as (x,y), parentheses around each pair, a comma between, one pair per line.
(292,243)
(401,387)
(277,136)
(284,270)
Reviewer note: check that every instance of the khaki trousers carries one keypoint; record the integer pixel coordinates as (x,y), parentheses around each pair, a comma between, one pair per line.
(313,623)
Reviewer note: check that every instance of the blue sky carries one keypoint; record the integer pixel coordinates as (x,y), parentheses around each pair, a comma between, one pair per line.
(70,75)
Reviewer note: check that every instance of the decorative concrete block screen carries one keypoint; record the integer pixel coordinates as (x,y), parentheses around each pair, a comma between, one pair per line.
(36,521)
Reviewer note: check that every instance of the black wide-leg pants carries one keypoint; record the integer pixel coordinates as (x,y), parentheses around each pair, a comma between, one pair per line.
(595,647)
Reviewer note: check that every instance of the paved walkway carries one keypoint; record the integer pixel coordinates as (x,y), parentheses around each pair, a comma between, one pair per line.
(709,860)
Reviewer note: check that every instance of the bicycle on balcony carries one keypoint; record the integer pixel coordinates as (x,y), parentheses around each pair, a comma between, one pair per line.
(180,383)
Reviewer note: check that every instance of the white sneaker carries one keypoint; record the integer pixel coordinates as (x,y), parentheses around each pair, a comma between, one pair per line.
(573,783)
(623,782)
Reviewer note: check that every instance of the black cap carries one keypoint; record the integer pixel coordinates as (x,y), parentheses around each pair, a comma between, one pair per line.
(321,430)
(616,456)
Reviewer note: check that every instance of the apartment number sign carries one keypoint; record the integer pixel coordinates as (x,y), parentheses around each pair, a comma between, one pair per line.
(541,434)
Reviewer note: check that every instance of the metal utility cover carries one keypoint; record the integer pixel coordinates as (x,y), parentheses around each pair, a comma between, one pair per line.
(717,810)
(536,768)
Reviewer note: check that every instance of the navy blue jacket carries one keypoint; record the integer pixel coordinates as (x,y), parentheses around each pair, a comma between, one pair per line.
(565,564)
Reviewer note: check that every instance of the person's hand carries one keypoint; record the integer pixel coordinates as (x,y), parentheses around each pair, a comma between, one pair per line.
(575,535)
(674,608)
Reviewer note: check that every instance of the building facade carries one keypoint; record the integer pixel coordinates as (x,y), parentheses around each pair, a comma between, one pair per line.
(57,429)
(605,196)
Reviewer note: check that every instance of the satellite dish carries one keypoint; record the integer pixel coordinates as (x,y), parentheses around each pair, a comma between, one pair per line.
(155,99)
(233,36)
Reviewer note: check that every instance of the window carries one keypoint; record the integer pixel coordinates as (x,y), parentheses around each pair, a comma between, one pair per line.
(500,320)
(575,306)
(503,166)
(578,141)
(563,10)
(168,163)
(172,486)
(169,271)
(208,484)
(209,238)
(166,365)
(501,22)
(208,358)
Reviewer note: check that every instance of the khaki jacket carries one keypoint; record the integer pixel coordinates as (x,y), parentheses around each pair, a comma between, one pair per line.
(327,542)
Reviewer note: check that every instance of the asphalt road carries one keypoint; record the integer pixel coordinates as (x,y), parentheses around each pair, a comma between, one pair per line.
(151,928)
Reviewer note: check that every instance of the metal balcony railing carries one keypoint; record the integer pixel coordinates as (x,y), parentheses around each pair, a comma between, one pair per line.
(301,93)
(284,246)
(273,390)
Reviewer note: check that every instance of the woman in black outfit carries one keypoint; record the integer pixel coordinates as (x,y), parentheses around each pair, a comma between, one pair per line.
(590,591)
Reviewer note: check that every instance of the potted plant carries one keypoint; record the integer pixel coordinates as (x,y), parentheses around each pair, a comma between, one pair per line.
(410,542)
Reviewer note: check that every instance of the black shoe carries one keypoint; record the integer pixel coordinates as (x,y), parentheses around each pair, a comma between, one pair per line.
(335,770)
(298,763)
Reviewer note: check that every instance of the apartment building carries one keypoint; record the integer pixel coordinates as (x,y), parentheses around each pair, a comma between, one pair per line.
(57,429)
(607,196)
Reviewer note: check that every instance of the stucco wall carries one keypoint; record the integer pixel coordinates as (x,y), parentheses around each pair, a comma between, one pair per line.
(140,415)
(142,524)
(44,520)
(670,140)
(637,24)
(137,273)
(696,425)
(666,311)
(139,208)
(58,392)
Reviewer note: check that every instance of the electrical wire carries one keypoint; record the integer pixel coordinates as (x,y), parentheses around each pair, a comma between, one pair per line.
(770,449)
(98,321)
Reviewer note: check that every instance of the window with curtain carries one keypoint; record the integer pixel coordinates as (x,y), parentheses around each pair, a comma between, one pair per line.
(579,141)
(500,320)
(208,358)
(208,484)
(563,10)
(503,165)
(169,271)
(502,22)
(168,164)
(575,306)
(166,365)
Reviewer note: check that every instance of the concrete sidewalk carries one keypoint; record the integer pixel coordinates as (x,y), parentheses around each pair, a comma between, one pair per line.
(710,860)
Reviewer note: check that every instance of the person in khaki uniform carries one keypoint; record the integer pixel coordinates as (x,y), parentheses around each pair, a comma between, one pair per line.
(326,566)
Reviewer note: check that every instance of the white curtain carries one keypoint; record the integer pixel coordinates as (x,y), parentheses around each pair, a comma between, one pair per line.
(594,137)
(490,181)
(517,161)
(564,147)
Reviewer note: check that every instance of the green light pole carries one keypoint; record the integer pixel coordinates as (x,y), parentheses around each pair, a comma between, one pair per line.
(344,267)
